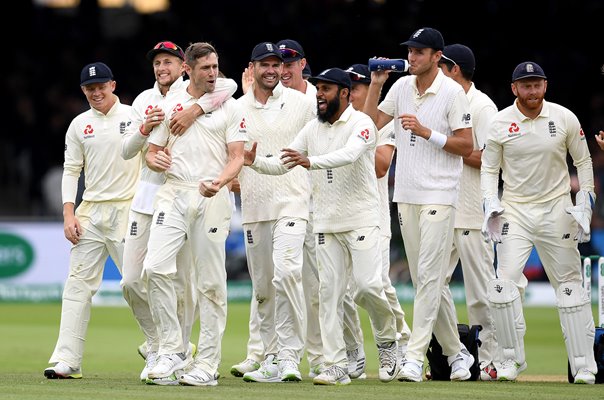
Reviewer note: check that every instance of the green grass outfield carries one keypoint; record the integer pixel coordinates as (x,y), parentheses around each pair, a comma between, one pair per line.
(111,364)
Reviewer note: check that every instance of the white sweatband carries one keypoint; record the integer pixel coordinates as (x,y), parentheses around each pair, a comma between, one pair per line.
(438,139)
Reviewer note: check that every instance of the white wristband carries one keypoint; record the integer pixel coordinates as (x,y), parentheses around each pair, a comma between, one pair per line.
(438,139)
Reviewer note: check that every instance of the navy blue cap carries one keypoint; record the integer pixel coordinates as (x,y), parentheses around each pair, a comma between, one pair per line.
(426,38)
(359,73)
(333,75)
(264,50)
(460,55)
(528,69)
(97,72)
(290,50)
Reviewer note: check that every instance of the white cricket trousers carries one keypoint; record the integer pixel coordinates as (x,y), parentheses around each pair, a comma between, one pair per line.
(343,257)
(551,230)
(133,285)
(310,283)
(103,228)
(181,213)
(427,232)
(401,325)
(476,258)
(275,257)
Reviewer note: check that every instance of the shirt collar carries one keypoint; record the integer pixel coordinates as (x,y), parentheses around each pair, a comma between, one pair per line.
(543,114)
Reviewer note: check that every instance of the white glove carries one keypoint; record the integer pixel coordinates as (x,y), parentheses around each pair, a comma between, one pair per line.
(582,214)
(493,222)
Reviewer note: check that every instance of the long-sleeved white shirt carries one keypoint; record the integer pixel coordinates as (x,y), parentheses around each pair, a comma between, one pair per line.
(273,126)
(385,138)
(92,144)
(532,155)
(342,163)
(134,142)
(469,214)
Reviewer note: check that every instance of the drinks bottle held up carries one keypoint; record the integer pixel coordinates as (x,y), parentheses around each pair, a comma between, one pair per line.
(388,64)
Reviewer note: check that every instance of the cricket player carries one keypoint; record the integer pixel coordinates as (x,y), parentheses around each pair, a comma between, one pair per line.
(194,204)
(476,255)
(529,142)
(274,216)
(167,60)
(433,133)
(339,149)
(98,226)
(360,76)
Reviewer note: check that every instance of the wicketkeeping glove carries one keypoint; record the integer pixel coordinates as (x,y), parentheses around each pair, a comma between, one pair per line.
(581,212)
(493,222)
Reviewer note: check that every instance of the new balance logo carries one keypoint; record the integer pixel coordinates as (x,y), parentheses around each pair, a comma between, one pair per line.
(505,229)
(498,288)
(329,176)
(248,235)
(361,238)
(213,230)
(160,218)
(321,238)
(134,228)
(290,224)
(466,233)
(566,236)
(432,212)
(567,291)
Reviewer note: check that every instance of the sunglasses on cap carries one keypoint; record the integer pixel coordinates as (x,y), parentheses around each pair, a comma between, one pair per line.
(447,59)
(165,45)
(355,76)
(290,53)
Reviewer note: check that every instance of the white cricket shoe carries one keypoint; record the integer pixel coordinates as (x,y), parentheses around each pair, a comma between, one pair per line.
(167,364)
(171,380)
(62,371)
(389,366)
(288,371)
(584,376)
(356,363)
(150,363)
(411,371)
(509,370)
(488,372)
(247,365)
(315,370)
(198,377)
(460,365)
(334,375)
(268,371)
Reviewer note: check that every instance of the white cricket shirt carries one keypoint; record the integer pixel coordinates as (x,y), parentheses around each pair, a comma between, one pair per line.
(342,163)
(200,154)
(532,155)
(424,173)
(92,144)
(469,214)
(269,197)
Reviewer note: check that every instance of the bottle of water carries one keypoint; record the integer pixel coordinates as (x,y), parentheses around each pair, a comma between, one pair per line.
(388,64)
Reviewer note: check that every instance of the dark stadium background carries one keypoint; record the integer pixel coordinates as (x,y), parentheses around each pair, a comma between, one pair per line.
(44,56)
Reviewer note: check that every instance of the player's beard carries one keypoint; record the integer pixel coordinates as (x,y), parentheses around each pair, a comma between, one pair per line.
(332,109)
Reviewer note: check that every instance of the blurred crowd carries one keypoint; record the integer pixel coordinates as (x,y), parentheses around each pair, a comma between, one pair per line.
(43,69)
